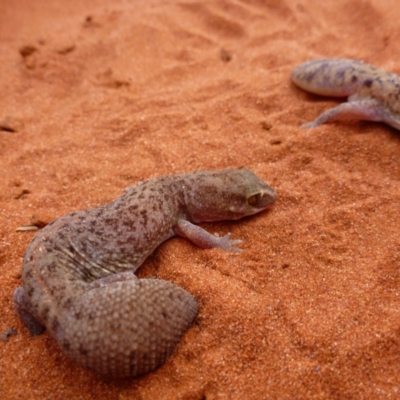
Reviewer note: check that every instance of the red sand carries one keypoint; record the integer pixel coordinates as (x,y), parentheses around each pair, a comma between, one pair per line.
(102,94)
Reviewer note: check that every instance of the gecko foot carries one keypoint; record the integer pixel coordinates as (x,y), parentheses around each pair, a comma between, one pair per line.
(228,244)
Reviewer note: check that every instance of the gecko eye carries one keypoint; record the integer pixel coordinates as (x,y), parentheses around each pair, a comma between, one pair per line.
(254,199)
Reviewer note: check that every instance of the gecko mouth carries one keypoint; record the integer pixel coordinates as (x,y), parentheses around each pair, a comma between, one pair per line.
(262,199)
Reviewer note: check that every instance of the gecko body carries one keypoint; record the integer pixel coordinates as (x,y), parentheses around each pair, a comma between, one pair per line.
(373,94)
(78,272)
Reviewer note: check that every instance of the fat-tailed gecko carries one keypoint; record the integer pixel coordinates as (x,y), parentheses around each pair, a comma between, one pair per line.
(373,94)
(78,272)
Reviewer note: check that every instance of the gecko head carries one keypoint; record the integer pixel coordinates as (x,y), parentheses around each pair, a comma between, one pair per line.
(227,195)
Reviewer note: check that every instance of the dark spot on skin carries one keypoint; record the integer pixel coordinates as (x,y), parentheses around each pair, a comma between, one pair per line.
(117,207)
(52,267)
(368,83)
(116,325)
(379,81)
(30,292)
(66,345)
(84,248)
(164,314)
(68,303)
(143,213)
(82,350)
(130,225)
(60,288)
(45,314)
(340,74)
(29,273)
(309,77)
(354,79)
(55,324)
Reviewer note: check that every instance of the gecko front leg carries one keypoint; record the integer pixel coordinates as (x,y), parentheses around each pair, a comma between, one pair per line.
(204,239)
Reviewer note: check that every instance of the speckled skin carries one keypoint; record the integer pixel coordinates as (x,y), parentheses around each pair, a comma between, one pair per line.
(78,272)
(374,94)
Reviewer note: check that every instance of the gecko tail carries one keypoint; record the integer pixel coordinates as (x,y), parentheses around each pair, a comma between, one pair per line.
(127,327)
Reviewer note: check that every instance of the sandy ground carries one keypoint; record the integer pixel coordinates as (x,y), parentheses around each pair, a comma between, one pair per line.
(98,95)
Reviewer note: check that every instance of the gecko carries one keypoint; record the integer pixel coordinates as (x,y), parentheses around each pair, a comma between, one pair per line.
(78,271)
(373,94)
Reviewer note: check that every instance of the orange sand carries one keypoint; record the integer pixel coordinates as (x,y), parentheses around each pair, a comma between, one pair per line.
(103,94)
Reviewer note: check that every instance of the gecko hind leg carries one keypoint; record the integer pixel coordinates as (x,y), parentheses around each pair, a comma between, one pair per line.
(25,312)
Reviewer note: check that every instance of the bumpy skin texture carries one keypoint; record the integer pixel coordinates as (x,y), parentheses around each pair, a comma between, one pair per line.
(78,272)
(374,94)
